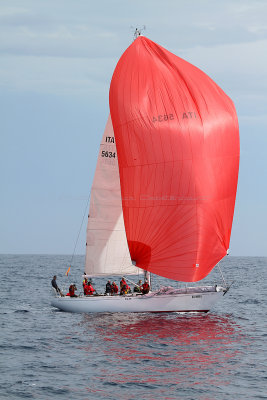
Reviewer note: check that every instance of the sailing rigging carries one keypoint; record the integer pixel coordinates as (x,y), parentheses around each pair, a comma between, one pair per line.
(163,195)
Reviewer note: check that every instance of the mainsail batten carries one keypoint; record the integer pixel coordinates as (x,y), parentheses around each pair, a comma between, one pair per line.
(178,152)
(107,251)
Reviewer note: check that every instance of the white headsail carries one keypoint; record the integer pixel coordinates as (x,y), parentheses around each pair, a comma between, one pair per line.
(107,250)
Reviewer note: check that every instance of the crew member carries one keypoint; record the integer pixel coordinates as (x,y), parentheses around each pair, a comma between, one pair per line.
(72,289)
(125,289)
(88,289)
(54,284)
(138,287)
(85,281)
(114,288)
(122,282)
(108,288)
(145,287)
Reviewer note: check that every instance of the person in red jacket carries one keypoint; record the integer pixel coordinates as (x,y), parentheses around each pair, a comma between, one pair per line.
(124,287)
(72,289)
(114,288)
(88,289)
(145,287)
(122,283)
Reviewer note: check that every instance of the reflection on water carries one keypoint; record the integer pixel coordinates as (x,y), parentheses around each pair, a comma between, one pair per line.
(189,350)
(51,354)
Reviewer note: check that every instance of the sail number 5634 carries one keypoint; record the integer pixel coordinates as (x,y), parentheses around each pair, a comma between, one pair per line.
(108,154)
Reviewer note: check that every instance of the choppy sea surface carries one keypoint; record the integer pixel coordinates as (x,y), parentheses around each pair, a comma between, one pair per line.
(48,354)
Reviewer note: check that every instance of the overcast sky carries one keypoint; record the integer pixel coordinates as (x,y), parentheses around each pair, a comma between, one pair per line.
(57,59)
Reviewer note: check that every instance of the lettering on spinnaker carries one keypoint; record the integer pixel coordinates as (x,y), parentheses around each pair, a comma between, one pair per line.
(168,117)
(189,115)
(163,117)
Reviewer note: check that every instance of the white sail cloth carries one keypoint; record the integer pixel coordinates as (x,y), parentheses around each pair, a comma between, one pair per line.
(107,250)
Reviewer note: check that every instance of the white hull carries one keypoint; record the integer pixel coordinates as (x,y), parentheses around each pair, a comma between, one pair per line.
(188,300)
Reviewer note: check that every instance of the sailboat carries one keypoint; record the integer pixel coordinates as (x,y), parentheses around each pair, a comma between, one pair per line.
(163,194)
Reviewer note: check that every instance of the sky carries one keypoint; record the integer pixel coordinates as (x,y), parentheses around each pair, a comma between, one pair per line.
(57,59)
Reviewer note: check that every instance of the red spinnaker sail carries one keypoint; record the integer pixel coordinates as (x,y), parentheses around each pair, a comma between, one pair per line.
(177,141)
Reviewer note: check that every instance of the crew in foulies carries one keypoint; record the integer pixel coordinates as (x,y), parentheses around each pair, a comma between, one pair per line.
(72,289)
(145,287)
(88,289)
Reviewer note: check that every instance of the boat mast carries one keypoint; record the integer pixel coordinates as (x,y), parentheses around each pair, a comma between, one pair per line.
(138,32)
(147,277)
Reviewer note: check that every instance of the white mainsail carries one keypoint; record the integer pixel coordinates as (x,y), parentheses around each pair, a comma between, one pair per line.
(107,250)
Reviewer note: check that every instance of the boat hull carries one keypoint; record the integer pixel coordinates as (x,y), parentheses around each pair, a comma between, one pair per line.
(152,302)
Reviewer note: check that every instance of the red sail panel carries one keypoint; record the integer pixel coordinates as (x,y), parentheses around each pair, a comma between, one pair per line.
(178,150)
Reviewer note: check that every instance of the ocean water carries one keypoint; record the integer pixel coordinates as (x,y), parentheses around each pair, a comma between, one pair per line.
(48,354)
